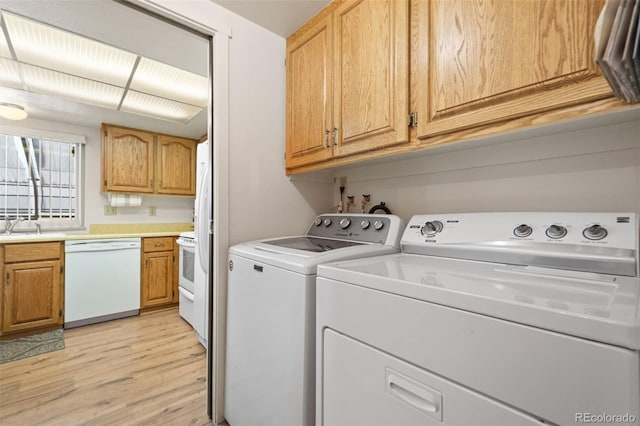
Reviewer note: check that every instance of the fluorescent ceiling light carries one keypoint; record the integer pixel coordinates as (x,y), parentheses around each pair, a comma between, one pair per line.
(12,111)
(53,83)
(153,106)
(38,44)
(10,74)
(169,82)
(5,52)
(61,64)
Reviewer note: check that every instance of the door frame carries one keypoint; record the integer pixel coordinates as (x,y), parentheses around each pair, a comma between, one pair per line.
(205,17)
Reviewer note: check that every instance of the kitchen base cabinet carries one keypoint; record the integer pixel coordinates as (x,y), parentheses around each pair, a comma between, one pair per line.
(32,292)
(158,277)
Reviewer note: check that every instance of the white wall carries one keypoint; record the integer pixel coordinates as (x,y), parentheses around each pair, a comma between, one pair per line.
(263,201)
(590,169)
(169,208)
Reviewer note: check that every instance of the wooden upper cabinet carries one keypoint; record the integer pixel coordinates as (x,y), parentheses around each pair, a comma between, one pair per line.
(127,160)
(309,96)
(137,161)
(347,81)
(482,62)
(175,165)
(370,82)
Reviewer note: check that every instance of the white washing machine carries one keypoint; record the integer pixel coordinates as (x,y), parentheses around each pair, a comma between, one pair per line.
(485,319)
(270,358)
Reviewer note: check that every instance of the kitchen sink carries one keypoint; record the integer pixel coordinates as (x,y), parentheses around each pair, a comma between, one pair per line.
(30,236)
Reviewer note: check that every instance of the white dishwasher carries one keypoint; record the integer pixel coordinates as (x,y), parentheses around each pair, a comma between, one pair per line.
(102,280)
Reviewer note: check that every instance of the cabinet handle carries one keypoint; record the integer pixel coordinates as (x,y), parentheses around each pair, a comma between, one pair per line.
(335,136)
(158,244)
(326,138)
(151,183)
(8,277)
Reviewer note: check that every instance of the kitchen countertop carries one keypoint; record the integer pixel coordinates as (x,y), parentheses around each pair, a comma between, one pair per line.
(100,231)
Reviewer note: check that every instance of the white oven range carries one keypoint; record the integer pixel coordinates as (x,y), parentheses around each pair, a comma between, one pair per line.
(186,276)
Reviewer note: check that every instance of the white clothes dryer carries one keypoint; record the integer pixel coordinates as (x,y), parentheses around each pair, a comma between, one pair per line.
(270,355)
(485,319)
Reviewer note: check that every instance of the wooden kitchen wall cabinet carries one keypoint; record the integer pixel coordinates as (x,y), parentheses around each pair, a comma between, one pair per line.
(347,81)
(175,165)
(158,278)
(33,288)
(137,161)
(483,62)
(372,78)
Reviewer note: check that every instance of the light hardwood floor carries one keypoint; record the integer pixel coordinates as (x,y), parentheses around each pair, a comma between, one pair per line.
(146,370)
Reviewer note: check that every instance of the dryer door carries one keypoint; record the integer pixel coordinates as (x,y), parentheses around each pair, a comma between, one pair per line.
(364,386)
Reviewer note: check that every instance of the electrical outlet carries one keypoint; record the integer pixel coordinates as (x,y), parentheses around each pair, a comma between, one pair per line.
(110,210)
(343,182)
(152,210)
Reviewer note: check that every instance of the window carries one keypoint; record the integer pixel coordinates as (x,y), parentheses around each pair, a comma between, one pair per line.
(40,181)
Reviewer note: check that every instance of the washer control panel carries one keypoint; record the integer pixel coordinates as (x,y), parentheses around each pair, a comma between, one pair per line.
(368,228)
(529,238)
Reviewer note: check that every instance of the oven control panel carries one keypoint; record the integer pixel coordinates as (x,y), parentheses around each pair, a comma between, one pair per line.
(528,237)
(368,228)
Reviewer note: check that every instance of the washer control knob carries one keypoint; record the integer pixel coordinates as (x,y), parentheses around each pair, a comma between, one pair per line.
(317,222)
(431,228)
(522,231)
(345,223)
(378,225)
(327,222)
(365,224)
(556,231)
(595,232)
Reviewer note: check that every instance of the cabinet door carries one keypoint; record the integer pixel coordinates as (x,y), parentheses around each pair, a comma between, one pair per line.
(370,81)
(157,281)
(127,160)
(482,62)
(309,97)
(176,165)
(32,295)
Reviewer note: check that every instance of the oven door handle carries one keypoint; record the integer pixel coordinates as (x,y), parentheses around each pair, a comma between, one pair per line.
(185,243)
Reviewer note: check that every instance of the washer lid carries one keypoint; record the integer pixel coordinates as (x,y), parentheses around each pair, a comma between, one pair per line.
(286,253)
(316,245)
(604,308)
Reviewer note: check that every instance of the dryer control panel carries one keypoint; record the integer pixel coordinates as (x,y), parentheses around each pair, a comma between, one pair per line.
(594,242)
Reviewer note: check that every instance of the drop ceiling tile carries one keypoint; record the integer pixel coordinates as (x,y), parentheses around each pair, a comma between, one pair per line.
(153,106)
(47,82)
(9,74)
(168,82)
(48,47)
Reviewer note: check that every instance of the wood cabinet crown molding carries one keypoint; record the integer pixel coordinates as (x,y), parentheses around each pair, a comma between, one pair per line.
(476,68)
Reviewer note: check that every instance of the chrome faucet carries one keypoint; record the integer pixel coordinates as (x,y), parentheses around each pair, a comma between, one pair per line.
(9,225)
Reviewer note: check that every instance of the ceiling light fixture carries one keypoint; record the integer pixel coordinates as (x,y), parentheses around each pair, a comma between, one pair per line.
(12,111)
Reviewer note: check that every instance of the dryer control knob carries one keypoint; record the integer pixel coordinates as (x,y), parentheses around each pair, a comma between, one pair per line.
(431,228)
(595,232)
(378,225)
(345,223)
(327,222)
(556,231)
(522,231)
(317,222)
(365,224)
